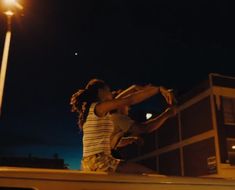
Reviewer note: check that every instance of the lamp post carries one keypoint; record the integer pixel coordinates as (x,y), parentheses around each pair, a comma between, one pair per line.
(10,6)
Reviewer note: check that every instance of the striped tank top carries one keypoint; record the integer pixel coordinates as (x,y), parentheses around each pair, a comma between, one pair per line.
(96,133)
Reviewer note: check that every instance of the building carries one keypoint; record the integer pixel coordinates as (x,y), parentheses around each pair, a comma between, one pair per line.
(200,140)
(33,162)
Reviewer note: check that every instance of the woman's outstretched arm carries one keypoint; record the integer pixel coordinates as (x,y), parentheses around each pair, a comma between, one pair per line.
(153,124)
(103,108)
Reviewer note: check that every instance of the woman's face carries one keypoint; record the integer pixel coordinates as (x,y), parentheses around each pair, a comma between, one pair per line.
(105,94)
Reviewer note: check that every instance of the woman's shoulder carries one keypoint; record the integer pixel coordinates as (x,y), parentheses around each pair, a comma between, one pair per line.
(92,107)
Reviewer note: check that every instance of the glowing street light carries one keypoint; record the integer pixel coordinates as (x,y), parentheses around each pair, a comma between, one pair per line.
(10,5)
(9,13)
(148,115)
(9,2)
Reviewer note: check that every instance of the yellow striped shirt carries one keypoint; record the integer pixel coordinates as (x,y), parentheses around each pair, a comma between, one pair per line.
(96,133)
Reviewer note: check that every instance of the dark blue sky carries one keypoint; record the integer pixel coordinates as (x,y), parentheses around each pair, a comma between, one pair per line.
(166,42)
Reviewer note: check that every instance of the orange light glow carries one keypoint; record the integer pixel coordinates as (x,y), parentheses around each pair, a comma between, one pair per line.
(10,2)
(9,13)
(13,3)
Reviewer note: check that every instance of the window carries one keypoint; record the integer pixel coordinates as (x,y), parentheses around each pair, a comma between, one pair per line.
(229,110)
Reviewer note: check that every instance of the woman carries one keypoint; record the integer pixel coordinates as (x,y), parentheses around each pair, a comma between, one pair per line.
(93,105)
(125,126)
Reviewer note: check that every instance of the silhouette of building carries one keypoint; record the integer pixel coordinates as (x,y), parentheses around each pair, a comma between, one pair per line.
(33,162)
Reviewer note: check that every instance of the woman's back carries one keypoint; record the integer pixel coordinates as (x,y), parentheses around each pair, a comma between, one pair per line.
(96,133)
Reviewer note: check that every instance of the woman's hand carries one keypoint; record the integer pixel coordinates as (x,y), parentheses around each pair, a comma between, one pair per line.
(168,95)
(171,111)
(132,89)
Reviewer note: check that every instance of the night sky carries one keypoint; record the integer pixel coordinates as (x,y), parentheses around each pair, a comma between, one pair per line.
(58,45)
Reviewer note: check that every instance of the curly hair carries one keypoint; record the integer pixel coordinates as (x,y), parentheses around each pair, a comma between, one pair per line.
(81,100)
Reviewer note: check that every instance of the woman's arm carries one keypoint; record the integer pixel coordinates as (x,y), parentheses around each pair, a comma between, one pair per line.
(153,124)
(169,96)
(130,90)
(166,93)
(103,108)
(157,122)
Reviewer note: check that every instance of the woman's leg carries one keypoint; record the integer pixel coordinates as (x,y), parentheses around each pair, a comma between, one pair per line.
(133,168)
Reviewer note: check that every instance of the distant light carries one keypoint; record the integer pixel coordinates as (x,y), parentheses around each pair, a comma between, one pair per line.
(148,115)
(76,53)
(233,147)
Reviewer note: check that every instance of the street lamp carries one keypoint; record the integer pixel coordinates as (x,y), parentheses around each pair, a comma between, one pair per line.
(10,6)
(12,3)
(148,115)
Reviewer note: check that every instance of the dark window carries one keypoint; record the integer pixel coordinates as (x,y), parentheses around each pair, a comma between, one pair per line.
(169,163)
(196,119)
(199,158)
(169,133)
(229,110)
